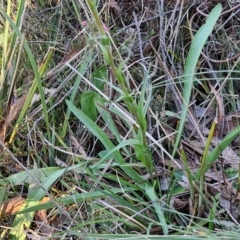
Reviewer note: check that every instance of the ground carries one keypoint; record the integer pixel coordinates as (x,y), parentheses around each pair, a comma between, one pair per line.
(119,119)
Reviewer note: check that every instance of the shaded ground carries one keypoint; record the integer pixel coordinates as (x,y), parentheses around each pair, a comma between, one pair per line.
(150,39)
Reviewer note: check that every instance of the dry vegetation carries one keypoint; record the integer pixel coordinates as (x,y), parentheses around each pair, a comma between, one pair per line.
(106,133)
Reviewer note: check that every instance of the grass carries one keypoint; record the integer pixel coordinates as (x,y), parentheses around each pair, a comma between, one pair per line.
(104,139)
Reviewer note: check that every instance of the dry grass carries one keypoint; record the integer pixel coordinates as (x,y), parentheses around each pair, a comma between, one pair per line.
(90,147)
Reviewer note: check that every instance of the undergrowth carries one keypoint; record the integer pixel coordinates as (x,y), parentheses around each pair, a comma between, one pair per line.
(119,120)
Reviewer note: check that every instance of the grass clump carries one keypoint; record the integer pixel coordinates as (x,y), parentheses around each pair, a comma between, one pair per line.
(123,128)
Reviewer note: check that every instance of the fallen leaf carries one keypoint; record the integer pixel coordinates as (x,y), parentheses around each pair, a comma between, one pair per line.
(11,206)
(34,236)
(15,109)
(37,97)
(58,221)
(42,221)
(11,116)
(229,156)
(60,162)
(115,7)
(78,147)
(230,207)
(179,204)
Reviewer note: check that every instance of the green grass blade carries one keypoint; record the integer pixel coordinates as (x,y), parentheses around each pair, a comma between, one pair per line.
(5,43)
(69,199)
(21,177)
(34,66)
(82,69)
(154,199)
(212,157)
(129,142)
(203,161)
(3,189)
(35,85)
(19,18)
(91,236)
(191,62)
(104,140)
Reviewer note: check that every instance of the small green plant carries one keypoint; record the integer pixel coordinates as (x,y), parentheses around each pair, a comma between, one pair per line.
(96,143)
(189,70)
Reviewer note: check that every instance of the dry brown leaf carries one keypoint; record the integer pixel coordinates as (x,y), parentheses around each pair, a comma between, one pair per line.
(233,191)
(11,206)
(179,205)
(231,208)
(12,114)
(108,132)
(229,156)
(231,121)
(212,175)
(115,7)
(42,221)
(60,162)
(226,199)
(58,221)
(35,236)
(78,147)
(15,109)
(70,56)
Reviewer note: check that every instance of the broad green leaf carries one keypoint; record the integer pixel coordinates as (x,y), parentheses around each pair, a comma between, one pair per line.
(190,65)
(88,104)
(37,174)
(22,177)
(106,115)
(140,155)
(99,77)
(105,50)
